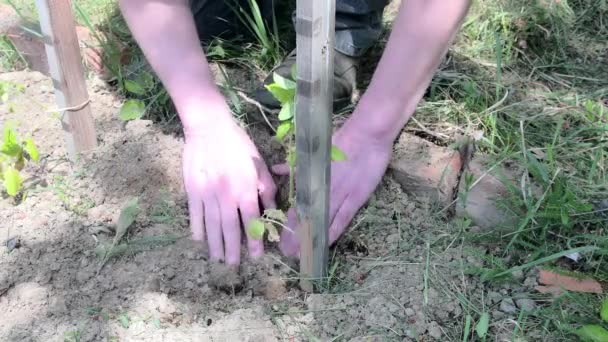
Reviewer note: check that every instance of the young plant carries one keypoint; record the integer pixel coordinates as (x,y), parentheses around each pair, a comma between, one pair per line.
(595,332)
(284,90)
(14,153)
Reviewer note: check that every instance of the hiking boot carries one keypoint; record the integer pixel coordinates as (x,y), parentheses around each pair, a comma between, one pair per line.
(345,80)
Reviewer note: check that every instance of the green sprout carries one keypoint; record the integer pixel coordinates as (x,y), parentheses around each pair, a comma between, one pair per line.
(14,153)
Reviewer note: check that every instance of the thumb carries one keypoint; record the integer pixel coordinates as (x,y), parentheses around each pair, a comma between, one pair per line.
(281,169)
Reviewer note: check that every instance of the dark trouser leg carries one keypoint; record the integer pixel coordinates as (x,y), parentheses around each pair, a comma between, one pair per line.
(358,25)
(217,18)
(358,22)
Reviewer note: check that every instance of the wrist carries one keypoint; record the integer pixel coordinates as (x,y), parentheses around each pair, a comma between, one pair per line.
(379,118)
(200,110)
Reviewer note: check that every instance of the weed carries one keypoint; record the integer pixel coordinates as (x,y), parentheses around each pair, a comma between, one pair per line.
(62,188)
(271,51)
(72,336)
(14,152)
(165,211)
(10,58)
(128,214)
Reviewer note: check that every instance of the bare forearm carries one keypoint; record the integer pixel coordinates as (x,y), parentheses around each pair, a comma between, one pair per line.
(420,37)
(165,31)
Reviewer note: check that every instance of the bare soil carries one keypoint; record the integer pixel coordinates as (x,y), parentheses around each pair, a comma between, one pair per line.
(51,289)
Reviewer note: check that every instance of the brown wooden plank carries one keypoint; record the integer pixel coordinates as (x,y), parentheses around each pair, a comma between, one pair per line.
(315,41)
(66,69)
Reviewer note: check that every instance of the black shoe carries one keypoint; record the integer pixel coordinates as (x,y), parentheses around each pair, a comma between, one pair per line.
(345,80)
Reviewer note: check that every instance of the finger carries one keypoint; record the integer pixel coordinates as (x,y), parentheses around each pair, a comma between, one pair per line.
(231,231)
(195,210)
(281,169)
(213,226)
(342,219)
(250,210)
(290,243)
(337,196)
(266,187)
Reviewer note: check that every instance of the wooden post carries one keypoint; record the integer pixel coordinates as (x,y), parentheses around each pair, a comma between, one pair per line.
(66,69)
(315,24)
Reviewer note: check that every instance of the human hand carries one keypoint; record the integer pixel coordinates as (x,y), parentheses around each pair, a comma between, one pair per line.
(224,175)
(352,181)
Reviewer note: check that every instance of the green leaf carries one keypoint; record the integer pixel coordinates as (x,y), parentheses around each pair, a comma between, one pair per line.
(146,80)
(604,310)
(126,218)
(283,130)
(592,333)
(4,97)
(255,229)
(482,325)
(287,111)
(31,150)
(337,154)
(134,87)
(283,82)
(12,181)
(124,320)
(10,144)
(132,110)
(281,94)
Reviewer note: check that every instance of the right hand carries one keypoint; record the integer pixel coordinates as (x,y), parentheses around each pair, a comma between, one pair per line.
(224,175)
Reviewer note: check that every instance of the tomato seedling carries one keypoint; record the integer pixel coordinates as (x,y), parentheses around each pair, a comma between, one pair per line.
(284,90)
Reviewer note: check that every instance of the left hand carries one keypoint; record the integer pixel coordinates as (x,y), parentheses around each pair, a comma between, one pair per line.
(352,181)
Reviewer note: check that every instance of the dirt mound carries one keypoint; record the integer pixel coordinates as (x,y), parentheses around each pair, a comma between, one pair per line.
(161,287)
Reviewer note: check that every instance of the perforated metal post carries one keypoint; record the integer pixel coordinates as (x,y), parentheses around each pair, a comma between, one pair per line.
(315,55)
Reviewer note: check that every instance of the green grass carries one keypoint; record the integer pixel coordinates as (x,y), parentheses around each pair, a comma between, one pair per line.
(528,76)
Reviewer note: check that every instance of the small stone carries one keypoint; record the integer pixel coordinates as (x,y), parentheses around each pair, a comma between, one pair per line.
(275,288)
(479,203)
(434,330)
(58,306)
(497,315)
(165,306)
(83,275)
(526,304)
(225,278)
(139,127)
(518,275)
(508,306)
(13,243)
(409,312)
(531,281)
(170,273)
(494,297)
(153,284)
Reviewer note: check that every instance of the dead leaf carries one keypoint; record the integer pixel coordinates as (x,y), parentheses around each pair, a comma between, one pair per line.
(554,280)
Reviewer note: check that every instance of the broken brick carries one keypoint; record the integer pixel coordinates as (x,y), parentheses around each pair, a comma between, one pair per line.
(425,169)
(555,282)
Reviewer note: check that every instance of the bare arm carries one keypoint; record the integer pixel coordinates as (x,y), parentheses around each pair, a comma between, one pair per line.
(420,37)
(165,31)
(224,174)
